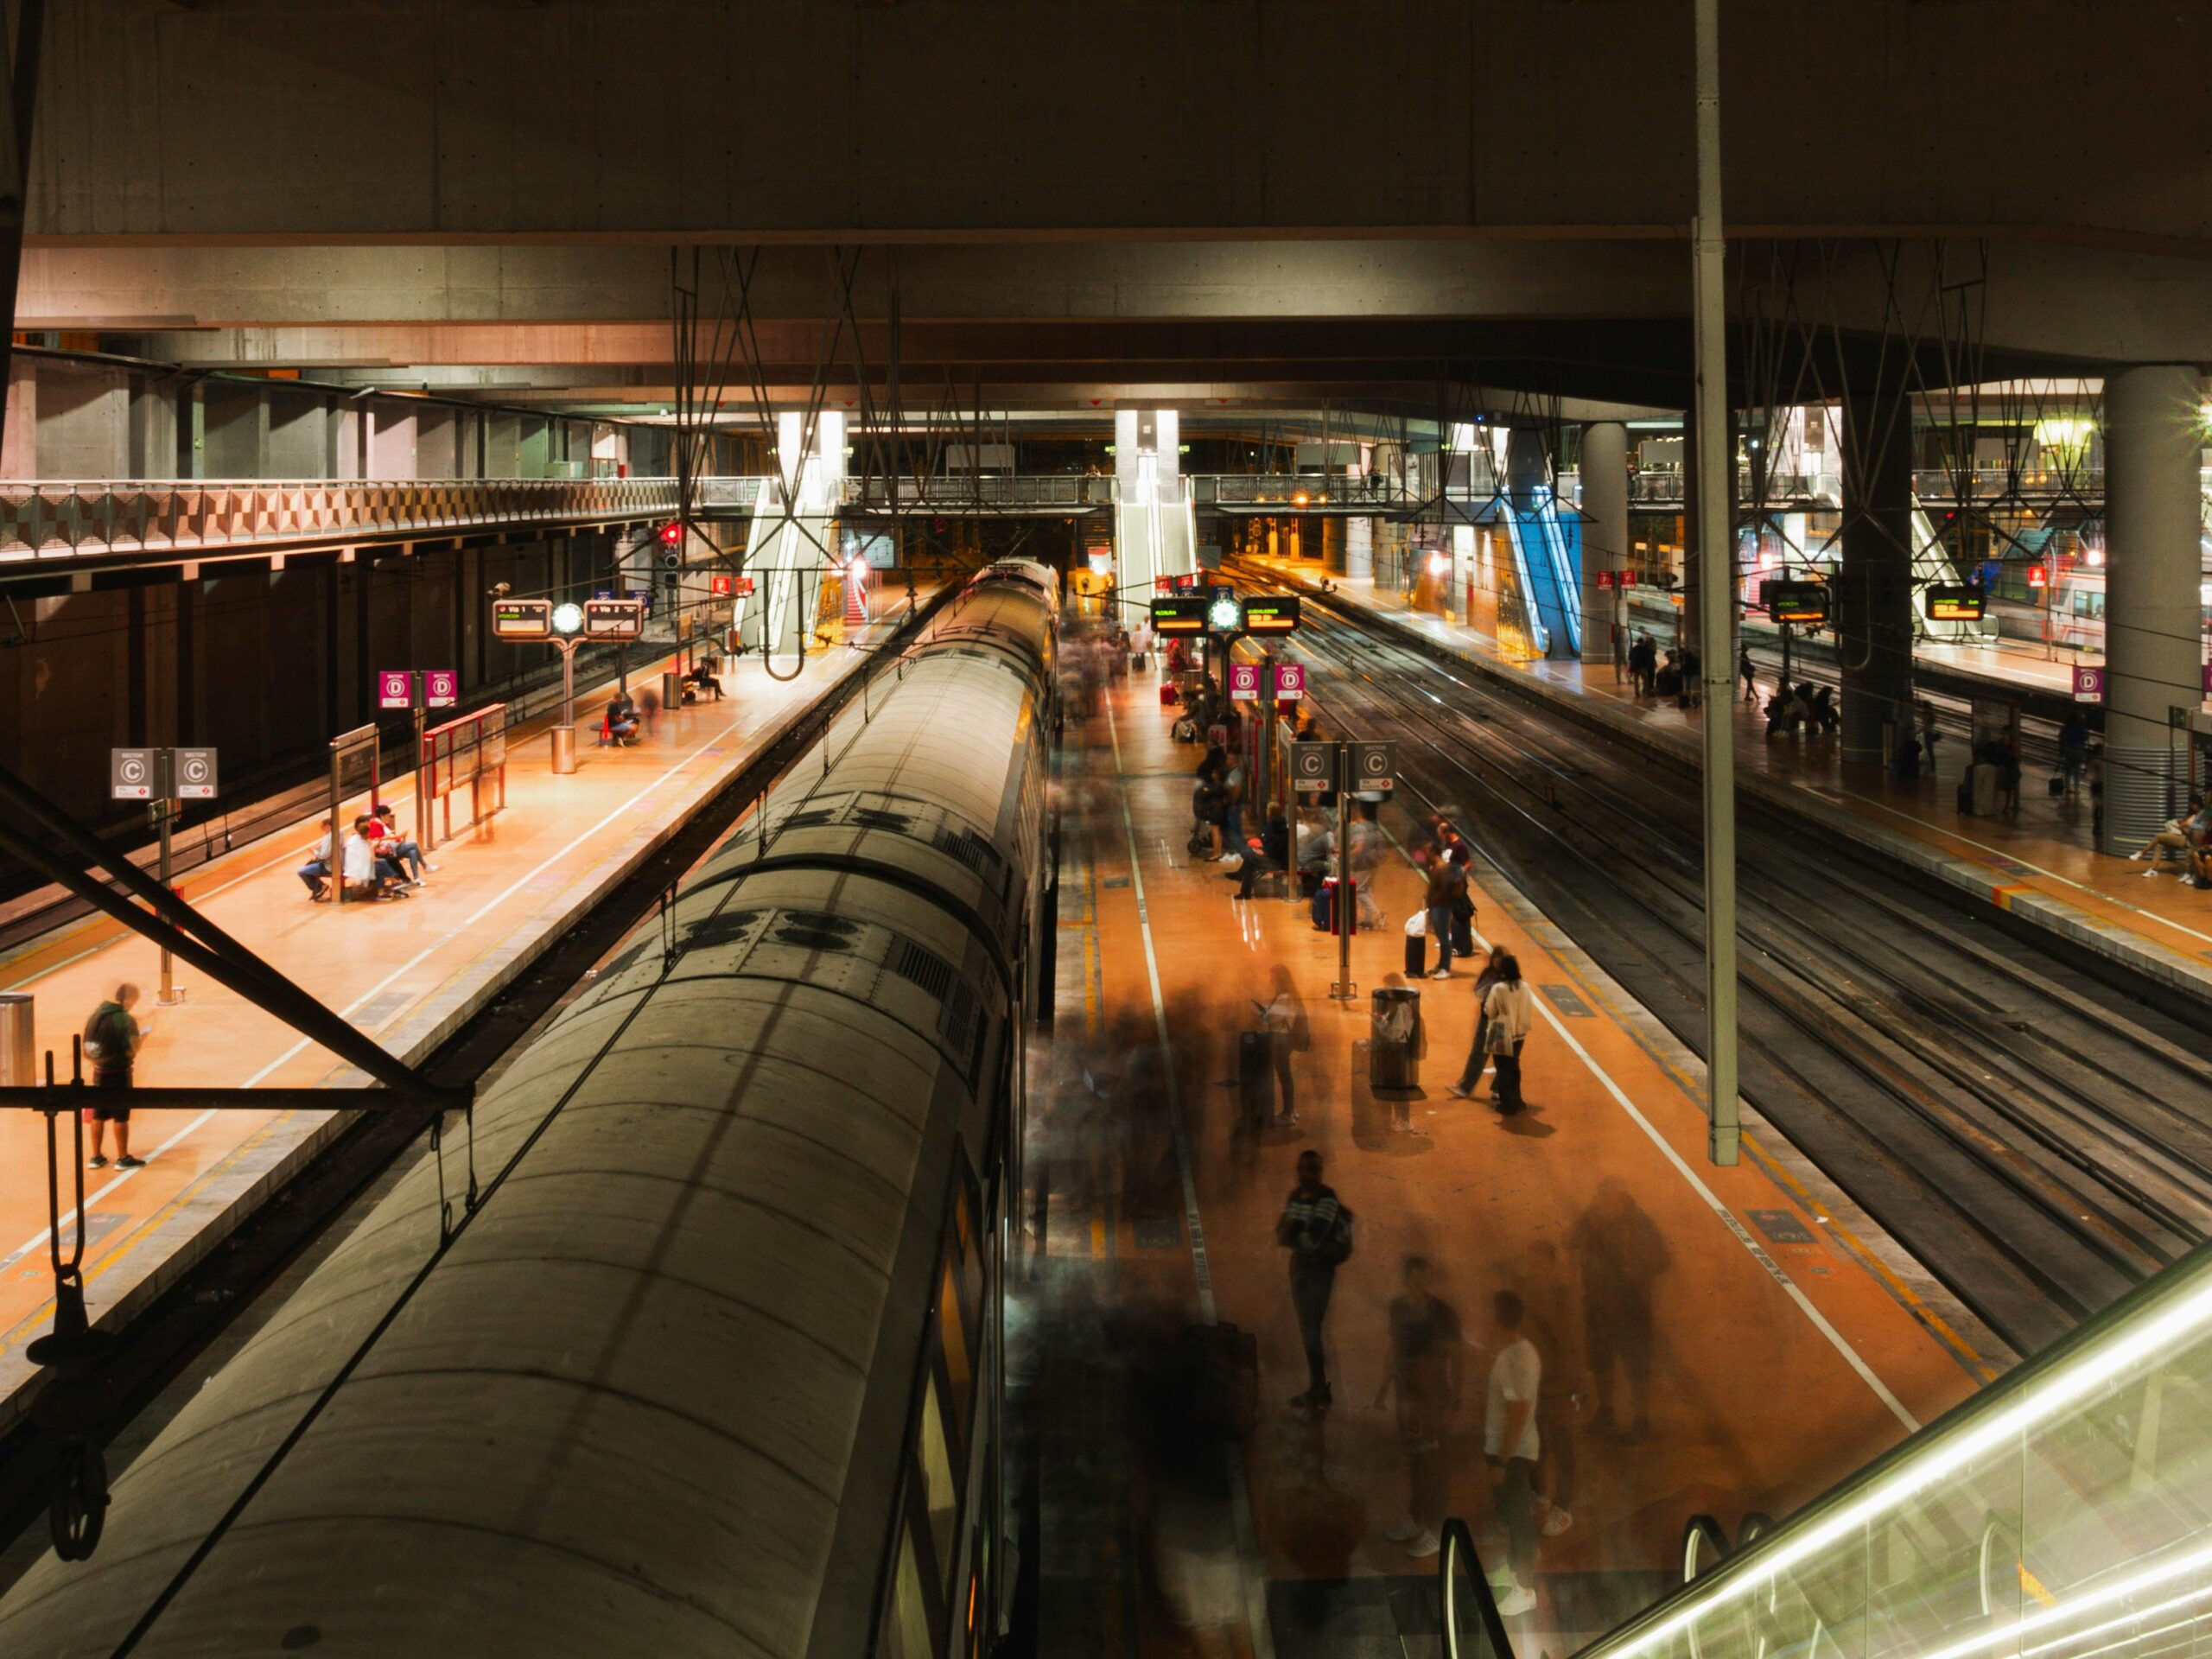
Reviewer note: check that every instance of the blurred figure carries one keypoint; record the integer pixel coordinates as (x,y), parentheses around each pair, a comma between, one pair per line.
(1288,1033)
(1512,1446)
(1316,1232)
(1478,1055)
(1192,1396)
(1425,1354)
(1622,1255)
(649,707)
(1273,853)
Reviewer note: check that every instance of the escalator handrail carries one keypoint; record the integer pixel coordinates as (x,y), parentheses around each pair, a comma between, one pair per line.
(1457,1542)
(1705,1529)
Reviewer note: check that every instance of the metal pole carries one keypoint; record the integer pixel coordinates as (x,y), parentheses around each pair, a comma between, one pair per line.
(1341,912)
(335,846)
(422,834)
(1716,598)
(164,810)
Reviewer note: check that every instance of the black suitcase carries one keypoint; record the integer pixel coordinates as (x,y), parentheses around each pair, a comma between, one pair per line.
(1463,936)
(1256,1077)
(1416,954)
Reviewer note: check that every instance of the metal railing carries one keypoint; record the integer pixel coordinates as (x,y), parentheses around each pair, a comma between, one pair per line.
(961,492)
(58,521)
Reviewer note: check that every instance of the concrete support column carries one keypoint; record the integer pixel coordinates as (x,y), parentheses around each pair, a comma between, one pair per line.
(19,447)
(1604,530)
(2153,651)
(1359,549)
(1332,545)
(1872,605)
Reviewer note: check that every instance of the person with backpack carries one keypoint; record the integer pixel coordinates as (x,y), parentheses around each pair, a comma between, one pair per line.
(1508,1012)
(1316,1232)
(111,1039)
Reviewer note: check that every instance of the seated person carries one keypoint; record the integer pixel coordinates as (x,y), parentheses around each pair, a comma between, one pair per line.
(2172,841)
(1273,855)
(621,725)
(390,843)
(703,674)
(322,857)
(374,877)
(2199,832)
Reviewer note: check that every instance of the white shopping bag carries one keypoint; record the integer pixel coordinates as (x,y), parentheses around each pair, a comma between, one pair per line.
(1417,924)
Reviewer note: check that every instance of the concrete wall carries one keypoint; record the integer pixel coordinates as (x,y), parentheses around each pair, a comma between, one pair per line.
(1839,113)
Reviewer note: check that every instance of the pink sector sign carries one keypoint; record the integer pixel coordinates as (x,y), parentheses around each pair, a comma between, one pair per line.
(1290,682)
(1244,682)
(392,691)
(2089,683)
(442,688)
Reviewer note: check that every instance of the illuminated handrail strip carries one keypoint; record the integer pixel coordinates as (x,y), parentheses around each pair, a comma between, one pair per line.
(2146,1331)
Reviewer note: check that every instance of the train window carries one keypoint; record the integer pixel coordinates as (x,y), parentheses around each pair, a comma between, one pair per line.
(938,1492)
(953,1332)
(906,1633)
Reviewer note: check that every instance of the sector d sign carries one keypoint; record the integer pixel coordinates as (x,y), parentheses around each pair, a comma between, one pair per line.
(441,687)
(1290,682)
(394,688)
(1244,682)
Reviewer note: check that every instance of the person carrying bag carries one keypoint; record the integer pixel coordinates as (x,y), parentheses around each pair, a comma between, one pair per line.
(1508,1012)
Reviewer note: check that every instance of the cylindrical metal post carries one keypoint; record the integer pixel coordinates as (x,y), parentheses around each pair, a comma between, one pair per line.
(162,811)
(18,1039)
(423,833)
(333,843)
(1341,913)
(1716,595)
(564,734)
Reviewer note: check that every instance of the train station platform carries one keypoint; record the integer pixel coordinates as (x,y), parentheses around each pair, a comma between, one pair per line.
(2040,863)
(408,972)
(1791,1341)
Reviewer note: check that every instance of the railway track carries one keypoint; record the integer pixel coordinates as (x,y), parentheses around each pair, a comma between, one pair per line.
(2037,1133)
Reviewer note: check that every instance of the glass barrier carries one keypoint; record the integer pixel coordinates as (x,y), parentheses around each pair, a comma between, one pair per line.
(2065,1512)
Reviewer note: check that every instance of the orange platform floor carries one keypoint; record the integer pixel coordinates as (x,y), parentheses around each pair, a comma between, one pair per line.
(2038,863)
(405,971)
(1793,1342)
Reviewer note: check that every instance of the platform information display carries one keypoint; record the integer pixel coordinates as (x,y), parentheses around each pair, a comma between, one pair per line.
(522,618)
(1270,614)
(1801,602)
(1179,614)
(1960,603)
(614,619)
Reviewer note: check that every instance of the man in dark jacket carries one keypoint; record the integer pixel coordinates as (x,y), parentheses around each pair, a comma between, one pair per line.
(1316,1232)
(1273,853)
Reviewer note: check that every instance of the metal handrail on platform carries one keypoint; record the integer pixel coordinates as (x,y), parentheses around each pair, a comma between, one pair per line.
(472,750)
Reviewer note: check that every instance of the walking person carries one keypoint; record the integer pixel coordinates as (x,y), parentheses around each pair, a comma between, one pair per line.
(1622,1253)
(1288,1034)
(1925,713)
(111,1040)
(1508,1011)
(1479,1054)
(1316,1232)
(1425,1346)
(1747,673)
(1448,887)
(1512,1446)
(2073,753)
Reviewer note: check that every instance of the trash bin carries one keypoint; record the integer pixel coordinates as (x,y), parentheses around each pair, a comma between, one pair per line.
(18,1043)
(671,690)
(1393,1038)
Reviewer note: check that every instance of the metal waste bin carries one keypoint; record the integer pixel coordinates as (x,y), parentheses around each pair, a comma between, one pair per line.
(564,750)
(18,1042)
(1393,1039)
(671,690)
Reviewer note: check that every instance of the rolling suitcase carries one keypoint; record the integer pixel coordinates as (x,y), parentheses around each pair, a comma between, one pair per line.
(1167,697)
(1416,954)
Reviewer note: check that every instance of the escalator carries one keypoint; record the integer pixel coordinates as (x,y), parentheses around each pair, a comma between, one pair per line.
(2065,1512)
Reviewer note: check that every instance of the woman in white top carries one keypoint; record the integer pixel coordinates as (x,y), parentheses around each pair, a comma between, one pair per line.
(1508,1013)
